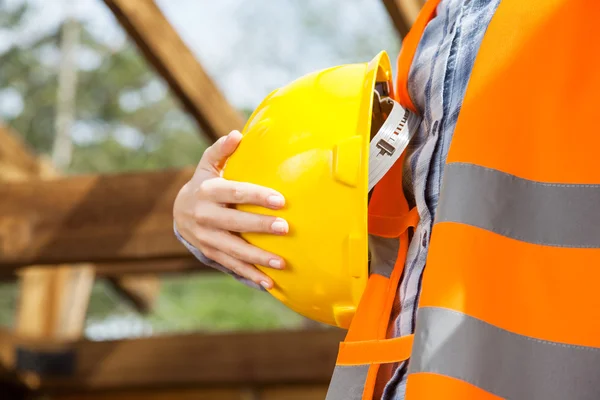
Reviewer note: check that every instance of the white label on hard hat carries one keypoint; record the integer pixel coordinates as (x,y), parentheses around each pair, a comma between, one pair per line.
(391,141)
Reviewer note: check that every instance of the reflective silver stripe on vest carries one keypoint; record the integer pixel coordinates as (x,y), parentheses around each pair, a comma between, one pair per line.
(534,212)
(348,382)
(384,252)
(503,363)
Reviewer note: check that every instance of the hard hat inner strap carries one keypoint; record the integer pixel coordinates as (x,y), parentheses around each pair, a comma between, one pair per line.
(391,140)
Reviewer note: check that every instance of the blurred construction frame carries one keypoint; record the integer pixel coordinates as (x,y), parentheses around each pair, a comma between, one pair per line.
(59,234)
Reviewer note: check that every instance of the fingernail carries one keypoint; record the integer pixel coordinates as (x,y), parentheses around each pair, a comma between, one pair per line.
(229,136)
(274,263)
(280,226)
(275,200)
(265,284)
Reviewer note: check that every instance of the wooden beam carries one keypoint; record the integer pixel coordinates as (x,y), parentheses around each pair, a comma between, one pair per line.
(165,50)
(140,291)
(178,394)
(10,379)
(182,265)
(403,13)
(21,165)
(16,161)
(287,392)
(52,306)
(6,350)
(53,303)
(195,360)
(312,392)
(175,266)
(90,219)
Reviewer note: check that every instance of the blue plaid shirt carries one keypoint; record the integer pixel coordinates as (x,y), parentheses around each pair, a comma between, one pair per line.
(437,84)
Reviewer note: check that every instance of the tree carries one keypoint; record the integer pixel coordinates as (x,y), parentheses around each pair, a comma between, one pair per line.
(62,150)
(125,118)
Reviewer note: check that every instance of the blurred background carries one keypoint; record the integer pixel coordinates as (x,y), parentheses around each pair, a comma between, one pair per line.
(108,111)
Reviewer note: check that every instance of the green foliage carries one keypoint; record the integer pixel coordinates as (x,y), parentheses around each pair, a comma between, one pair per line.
(177,150)
(219,303)
(8,300)
(125,120)
(210,303)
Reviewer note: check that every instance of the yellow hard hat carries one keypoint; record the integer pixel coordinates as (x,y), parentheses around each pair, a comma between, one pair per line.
(310,141)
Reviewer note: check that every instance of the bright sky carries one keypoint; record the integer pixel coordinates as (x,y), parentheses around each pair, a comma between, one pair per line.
(249,48)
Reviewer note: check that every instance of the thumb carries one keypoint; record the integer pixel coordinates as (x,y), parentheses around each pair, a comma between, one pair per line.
(215,156)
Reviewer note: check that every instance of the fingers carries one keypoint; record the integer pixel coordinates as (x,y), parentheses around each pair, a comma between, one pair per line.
(223,191)
(233,220)
(215,156)
(239,249)
(240,268)
(210,222)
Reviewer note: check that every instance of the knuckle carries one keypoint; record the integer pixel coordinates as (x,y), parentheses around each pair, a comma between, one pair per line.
(200,237)
(219,143)
(265,224)
(210,150)
(258,197)
(233,267)
(236,253)
(216,146)
(206,188)
(265,258)
(202,240)
(241,252)
(235,224)
(203,249)
(238,193)
(209,253)
(202,217)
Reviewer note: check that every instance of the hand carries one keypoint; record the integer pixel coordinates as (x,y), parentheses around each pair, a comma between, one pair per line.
(203,218)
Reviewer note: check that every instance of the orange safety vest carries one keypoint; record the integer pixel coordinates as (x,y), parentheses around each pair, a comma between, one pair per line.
(510,304)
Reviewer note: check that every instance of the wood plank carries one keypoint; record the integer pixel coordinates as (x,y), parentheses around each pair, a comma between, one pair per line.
(182,265)
(251,360)
(6,349)
(403,13)
(52,306)
(11,382)
(53,302)
(185,394)
(165,50)
(308,392)
(181,394)
(175,266)
(16,161)
(90,219)
(140,291)
(293,392)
